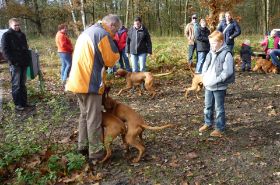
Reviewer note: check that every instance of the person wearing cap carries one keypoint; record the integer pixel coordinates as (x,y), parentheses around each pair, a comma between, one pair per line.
(245,54)
(190,30)
(230,29)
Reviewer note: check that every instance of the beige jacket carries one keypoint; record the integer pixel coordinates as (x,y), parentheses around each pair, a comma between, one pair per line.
(189,33)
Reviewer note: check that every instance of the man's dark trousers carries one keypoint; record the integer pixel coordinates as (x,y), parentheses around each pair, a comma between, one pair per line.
(19,91)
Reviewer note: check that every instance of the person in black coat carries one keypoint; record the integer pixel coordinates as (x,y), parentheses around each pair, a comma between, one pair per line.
(202,45)
(230,29)
(138,45)
(15,51)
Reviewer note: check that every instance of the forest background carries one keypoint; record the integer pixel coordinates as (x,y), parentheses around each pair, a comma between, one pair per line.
(161,17)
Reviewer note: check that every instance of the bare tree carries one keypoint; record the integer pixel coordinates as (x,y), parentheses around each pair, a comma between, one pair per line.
(127,13)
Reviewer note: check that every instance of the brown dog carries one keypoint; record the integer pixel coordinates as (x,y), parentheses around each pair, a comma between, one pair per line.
(197,84)
(265,66)
(135,79)
(135,124)
(113,127)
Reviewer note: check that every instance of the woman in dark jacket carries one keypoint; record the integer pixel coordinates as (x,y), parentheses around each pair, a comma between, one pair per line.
(138,45)
(202,44)
(230,29)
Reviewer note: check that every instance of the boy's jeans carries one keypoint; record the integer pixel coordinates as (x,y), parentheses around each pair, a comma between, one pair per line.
(66,62)
(142,62)
(200,61)
(215,100)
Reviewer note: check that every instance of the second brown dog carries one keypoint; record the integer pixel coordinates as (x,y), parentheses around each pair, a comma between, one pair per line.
(113,127)
(197,84)
(135,79)
(135,124)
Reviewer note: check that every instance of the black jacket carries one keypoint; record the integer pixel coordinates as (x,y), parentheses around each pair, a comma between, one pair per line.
(232,31)
(202,41)
(15,48)
(138,41)
(245,53)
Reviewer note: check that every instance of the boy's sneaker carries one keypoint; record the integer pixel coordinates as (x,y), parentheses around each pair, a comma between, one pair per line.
(19,108)
(216,133)
(203,128)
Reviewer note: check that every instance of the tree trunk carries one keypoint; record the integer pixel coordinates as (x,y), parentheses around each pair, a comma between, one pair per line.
(72,12)
(267,14)
(158,17)
(37,18)
(93,12)
(186,12)
(83,15)
(127,13)
(264,16)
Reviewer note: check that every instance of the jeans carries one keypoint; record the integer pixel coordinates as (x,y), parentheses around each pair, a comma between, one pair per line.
(142,62)
(215,99)
(273,54)
(200,61)
(246,64)
(191,52)
(19,91)
(124,61)
(66,62)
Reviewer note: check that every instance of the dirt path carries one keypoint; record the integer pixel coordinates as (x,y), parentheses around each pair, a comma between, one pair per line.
(248,154)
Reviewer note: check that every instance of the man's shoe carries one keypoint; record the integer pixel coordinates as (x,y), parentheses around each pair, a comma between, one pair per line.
(203,128)
(95,158)
(19,108)
(216,133)
(84,152)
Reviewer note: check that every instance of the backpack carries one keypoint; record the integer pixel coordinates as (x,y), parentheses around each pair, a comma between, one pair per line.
(231,78)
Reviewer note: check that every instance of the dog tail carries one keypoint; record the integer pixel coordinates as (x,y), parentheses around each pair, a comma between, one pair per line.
(162,74)
(191,70)
(157,127)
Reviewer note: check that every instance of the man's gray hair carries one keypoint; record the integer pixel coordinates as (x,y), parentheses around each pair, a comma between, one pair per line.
(13,20)
(112,18)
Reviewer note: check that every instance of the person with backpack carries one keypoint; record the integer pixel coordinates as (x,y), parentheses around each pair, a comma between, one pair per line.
(217,74)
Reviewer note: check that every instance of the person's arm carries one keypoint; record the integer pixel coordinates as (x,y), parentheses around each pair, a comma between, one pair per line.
(128,39)
(227,68)
(237,31)
(220,27)
(187,31)
(6,49)
(66,43)
(149,42)
(206,63)
(109,51)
